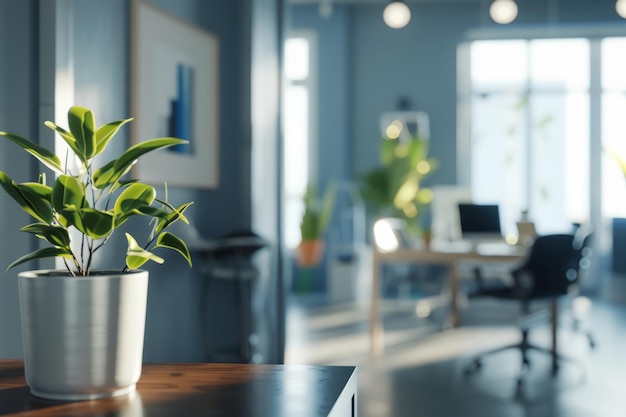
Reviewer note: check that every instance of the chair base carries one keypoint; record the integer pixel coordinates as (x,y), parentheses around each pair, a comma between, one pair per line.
(524,346)
(578,327)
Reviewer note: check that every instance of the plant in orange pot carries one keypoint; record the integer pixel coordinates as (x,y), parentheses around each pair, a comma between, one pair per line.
(313,225)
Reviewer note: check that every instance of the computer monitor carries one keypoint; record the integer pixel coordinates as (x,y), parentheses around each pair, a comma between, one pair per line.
(480,222)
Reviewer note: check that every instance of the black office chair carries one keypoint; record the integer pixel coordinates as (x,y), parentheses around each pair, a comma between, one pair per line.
(547,274)
(584,251)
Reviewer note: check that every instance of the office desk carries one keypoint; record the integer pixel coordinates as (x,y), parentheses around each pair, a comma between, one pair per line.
(449,257)
(202,390)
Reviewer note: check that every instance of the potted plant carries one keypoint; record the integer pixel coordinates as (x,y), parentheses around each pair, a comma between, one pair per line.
(395,188)
(313,225)
(83,329)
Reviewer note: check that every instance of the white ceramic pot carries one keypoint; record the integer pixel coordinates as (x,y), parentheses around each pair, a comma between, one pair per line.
(83,336)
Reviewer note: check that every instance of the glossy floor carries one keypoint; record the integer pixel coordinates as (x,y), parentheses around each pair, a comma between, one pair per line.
(421,373)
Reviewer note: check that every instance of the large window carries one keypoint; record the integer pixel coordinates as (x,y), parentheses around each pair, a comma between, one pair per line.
(535,111)
(613,125)
(298,129)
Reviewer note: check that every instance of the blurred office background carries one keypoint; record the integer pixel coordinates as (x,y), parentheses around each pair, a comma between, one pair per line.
(527,115)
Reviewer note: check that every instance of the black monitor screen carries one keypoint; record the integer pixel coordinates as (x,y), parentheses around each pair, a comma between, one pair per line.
(479,219)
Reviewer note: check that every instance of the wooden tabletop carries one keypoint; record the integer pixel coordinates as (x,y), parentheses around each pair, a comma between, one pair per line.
(202,390)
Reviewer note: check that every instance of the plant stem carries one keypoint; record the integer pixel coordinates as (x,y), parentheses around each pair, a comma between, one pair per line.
(90,246)
(82,251)
(106,239)
(67,266)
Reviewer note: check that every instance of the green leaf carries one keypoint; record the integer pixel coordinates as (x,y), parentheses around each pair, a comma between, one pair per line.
(424,196)
(56,235)
(42,253)
(170,241)
(107,174)
(387,151)
(115,169)
(40,190)
(316,216)
(68,196)
(134,200)
(68,191)
(65,135)
(38,197)
(137,256)
(375,187)
(106,132)
(135,196)
(176,214)
(327,207)
(418,149)
(141,211)
(153,212)
(134,152)
(95,223)
(45,156)
(83,126)
(407,191)
(27,199)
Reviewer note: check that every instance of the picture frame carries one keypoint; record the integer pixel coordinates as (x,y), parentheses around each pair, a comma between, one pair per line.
(174,93)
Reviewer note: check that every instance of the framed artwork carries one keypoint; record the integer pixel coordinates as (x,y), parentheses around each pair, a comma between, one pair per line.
(174,93)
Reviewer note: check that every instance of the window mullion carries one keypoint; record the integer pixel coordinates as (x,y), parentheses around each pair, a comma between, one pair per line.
(595,136)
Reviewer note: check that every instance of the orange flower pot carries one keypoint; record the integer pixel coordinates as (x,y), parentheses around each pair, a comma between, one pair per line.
(310,253)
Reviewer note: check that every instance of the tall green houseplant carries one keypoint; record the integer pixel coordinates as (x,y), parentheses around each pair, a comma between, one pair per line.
(395,188)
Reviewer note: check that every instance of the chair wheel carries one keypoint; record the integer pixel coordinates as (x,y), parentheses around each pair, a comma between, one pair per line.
(519,388)
(555,368)
(592,342)
(473,367)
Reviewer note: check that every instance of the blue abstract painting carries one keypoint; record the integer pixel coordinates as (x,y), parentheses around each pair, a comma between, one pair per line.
(181,117)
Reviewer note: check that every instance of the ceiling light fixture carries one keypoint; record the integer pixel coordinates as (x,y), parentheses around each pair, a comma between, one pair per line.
(397,14)
(326,8)
(620,8)
(503,11)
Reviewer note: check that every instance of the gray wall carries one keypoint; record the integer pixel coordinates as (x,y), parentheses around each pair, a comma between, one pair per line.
(179,325)
(17,100)
(269,305)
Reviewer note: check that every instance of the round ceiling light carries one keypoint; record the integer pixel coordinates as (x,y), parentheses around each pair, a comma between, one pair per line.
(397,14)
(620,8)
(503,11)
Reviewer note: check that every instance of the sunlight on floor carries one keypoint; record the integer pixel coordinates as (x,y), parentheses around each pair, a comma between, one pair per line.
(422,360)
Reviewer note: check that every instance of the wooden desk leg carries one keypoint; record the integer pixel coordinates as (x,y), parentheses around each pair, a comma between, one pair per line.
(453,285)
(377,345)
(554,322)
